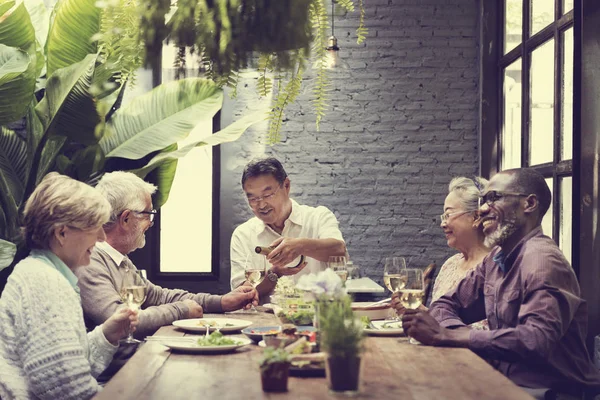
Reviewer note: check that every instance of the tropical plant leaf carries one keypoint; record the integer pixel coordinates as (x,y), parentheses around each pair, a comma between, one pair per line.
(40,20)
(87,161)
(161,117)
(165,175)
(13,162)
(228,134)
(16,29)
(17,83)
(7,253)
(70,37)
(35,130)
(68,108)
(51,150)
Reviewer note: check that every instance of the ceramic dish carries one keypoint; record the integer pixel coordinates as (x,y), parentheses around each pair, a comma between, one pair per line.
(192,346)
(257,333)
(385,328)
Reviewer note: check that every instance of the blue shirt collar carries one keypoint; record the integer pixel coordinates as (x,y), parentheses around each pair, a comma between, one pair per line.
(53,261)
(500,259)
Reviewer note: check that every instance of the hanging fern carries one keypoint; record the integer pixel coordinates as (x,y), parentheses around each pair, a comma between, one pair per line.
(361,31)
(319,21)
(265,67)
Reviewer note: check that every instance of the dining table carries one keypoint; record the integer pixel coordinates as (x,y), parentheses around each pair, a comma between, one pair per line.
(392,368)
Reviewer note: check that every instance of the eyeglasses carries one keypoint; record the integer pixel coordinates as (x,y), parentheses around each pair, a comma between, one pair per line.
(255,200)
(493,196)
(150,213)
(446,216)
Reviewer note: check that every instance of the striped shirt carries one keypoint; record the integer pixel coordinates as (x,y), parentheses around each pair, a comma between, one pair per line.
(537,318)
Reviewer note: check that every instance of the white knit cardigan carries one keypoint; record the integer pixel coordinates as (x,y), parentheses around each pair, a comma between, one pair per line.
(45,351)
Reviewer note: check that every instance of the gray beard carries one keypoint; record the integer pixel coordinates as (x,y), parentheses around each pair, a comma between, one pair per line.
(502,232)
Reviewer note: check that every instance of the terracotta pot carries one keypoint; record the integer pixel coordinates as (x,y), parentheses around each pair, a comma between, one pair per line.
(343,373)
(275,377)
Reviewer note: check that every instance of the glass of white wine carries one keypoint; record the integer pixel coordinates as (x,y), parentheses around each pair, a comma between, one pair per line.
(393,279)
(255,271)
(412,295)
(133,294)
(338,265)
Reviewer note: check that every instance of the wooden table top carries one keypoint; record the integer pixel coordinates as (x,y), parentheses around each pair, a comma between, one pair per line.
(391,369)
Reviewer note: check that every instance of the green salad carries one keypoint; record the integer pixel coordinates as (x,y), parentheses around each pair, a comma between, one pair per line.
(216,339)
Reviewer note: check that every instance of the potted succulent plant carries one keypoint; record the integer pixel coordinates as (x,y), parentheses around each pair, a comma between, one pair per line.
(341,333)
(274,369)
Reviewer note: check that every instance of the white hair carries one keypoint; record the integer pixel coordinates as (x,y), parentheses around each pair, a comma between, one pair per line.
(124,191)
(467,190)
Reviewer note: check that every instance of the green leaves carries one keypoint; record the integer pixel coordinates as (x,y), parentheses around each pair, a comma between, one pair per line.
(68,108)
(70,38)
(7,253)
(17,83)
(13,168)
(161,117)
(16,29)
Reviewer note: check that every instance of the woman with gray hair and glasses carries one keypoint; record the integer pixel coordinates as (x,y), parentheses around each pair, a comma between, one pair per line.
(45,351)
(462,233)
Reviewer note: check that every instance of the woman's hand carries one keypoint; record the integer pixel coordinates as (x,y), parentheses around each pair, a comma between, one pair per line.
(119,324)
(400,308)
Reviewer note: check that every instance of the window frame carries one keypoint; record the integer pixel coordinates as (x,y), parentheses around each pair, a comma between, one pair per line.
(493,64)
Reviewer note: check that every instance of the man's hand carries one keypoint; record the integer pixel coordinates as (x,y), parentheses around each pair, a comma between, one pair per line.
(285,271)
(241,297)
(423,327)
(118,325)
(194,309)
(285,251)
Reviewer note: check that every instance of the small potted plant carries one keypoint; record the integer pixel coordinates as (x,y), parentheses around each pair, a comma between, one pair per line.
(274,369)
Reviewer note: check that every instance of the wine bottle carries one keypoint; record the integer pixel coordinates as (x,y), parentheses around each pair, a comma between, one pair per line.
(266,250)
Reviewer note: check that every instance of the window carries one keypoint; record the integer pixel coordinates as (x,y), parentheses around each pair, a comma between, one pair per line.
(186,227)
(536,89)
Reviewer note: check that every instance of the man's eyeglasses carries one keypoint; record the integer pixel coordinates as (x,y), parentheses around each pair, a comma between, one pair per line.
(150,213)
(446,216)
(255,200)
(493,196)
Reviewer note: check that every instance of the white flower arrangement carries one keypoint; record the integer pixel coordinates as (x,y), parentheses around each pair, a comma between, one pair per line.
(323,285)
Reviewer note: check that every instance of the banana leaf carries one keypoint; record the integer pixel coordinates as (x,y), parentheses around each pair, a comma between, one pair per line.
(7,253)
(159,118)
(16,29)
(165,175)
(17,83)
(68,108)
(13,160)
(88,161)
(164,160)
(40,20)
(70,37)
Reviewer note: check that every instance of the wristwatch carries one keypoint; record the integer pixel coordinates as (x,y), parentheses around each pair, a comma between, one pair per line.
(272,276)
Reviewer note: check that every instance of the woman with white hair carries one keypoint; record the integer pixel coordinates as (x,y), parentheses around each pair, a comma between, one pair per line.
(462,233)
(45,351)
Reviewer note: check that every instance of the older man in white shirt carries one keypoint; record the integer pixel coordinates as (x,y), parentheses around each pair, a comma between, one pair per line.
(289,228)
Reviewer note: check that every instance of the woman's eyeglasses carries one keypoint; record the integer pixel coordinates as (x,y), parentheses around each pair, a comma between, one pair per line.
(446,216)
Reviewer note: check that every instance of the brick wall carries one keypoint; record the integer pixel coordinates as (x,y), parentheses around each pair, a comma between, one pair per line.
(402,122)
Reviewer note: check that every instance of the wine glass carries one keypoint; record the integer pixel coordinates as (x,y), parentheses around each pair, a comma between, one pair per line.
(133,294)
(392,277)
(338,265)
(255,270)
(412,294)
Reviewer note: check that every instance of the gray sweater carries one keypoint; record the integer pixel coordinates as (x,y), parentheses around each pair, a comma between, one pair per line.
(100,284)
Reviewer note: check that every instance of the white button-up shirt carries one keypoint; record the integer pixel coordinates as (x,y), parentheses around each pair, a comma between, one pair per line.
(303,222)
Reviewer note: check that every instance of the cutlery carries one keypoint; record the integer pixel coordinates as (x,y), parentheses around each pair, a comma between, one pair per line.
(170,338)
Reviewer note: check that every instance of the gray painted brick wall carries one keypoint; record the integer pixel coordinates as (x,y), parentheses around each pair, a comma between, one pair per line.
(402,121)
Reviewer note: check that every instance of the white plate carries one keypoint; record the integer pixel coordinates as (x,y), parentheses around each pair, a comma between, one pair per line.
(223,324)
(385,331)
(192,346)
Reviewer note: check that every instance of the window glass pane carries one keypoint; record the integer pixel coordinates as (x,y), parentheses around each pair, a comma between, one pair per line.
(190,204)
(567,6)
(511,133)
(541,109)
(542,14)
(513,24)
(547,221)
(566,150)
(566,216)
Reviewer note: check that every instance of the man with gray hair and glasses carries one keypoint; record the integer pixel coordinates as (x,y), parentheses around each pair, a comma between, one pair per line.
(100,283)
(527,291)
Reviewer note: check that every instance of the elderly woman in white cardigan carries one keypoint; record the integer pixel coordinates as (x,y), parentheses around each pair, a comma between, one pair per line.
(45,351)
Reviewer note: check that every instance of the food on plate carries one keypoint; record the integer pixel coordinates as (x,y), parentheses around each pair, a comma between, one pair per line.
(296,317)
(216,339)
(288,329)
(269,332)
(212,324)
